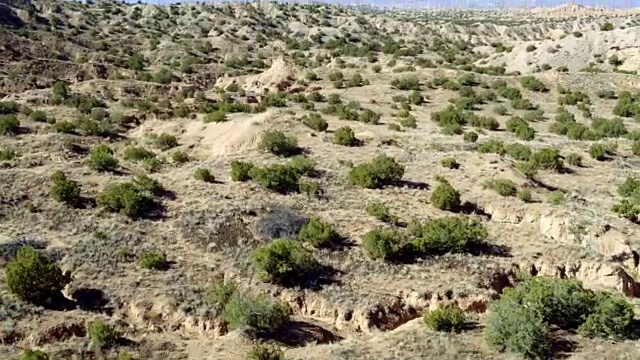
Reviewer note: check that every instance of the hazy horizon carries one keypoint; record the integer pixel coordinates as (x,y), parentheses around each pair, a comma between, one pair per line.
(461,4)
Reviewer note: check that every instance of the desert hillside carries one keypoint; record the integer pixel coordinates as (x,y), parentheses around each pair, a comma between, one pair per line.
(288,181)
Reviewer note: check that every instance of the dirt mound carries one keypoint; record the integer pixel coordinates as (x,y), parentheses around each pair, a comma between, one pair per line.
(279,77)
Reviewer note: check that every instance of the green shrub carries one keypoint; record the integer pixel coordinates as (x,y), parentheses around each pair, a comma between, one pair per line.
(534,116)
(382,170)
(137,153)
(29,354)
(376,68)
(635,148)
(38,116)
(500,110)
(606,27)
(146,184)
(598,152)
(626,209)
(180,157)
(519,152)
(240,170)
(283,261)
(9,125)
(574,159)
(153,260)
(9,107)
(258,314)
(492,146)
(450,163)
(533,84)
(103,335)
(369,116)
(279,144)
(612,318)
(265,352)
(449,116)
(277,177)
(216,116)
(64,127)
(315,122)
(310,188)
(409,122)
(406,83)
(485,122)
(445,197)
(101,159)
(126,199)
(151,165)
(523,104)
(525,195)
(450,234)
(381,243)
(318,233)
(381,212)
(164,141)
(64,190)
(163,76)
(630,187)
(8,153)
(470,136)
(547,159)
(504,187)
(449,319)
(33,277)
(203,174)
(531,48)
(517,328)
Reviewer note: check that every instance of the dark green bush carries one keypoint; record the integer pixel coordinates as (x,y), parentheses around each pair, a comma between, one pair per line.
(606,27)
(9,125)
(279,144)
(277,177)
(315,122)
(203,174)
(64,190)
(180,157)
(445,197)
(449,319)
(484,122)
(381,212)
(381,243)
(612,318)
(517,328)
(8,153)
(265,352)
(492,146)
(598,152)
(64,127)
(101,158)
(240,170)
(450,163)
(533,84)
(626,209)
(369,117)
(255,313)
(406,83)
(450,234)
(9,107)
(318,233)
(501,110)
(153,260)
(470,136)
(126,199)
(504,187)
(137,153)
(382,170)
(103,335)
(216,116)
(29,354)
(38,116)
(518,151)
(284,262)
(164,141)
(630,187)
(547,159)
(33,277)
